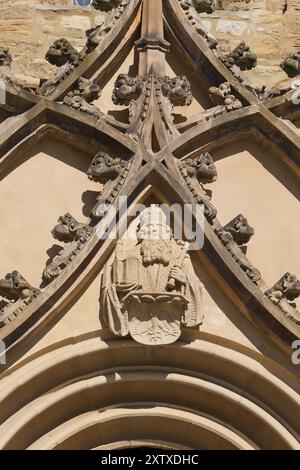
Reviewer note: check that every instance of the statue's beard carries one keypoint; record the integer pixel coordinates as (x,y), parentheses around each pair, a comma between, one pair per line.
(156,251)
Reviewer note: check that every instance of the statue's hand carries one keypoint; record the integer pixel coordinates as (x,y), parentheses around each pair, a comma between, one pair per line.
(178,274)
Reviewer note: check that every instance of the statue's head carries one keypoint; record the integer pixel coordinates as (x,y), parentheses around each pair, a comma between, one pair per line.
(243,57)
(105,168)
(203,168)
(291,64)
(5,57)
(61,52)
(127,89)
(219,94)
(204,6)
(178,90)
(289,285)
(153,225)
(240,230)
(88,90)
(65,230)
(106,5)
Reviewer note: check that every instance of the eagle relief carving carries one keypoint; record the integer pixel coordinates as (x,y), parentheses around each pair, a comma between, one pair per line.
(150,290)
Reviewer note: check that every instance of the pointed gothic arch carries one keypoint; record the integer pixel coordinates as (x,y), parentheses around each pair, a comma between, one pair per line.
(91,389)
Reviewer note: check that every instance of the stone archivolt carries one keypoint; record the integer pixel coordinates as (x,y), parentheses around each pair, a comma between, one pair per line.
(147,139)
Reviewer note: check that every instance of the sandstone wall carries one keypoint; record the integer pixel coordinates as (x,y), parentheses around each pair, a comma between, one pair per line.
(28,27)
(270,27)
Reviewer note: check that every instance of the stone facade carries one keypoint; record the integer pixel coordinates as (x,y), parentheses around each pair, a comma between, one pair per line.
(28,27)
(147,338)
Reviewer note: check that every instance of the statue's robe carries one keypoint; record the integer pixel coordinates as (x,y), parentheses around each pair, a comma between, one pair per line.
(135,299)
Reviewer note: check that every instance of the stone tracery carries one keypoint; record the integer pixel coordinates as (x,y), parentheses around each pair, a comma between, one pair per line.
(149,290)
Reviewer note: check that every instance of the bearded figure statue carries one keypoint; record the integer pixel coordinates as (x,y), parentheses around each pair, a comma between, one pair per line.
(150,289)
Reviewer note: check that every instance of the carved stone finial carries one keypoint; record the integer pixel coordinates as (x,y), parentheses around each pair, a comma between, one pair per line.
(191,8)
(202,168)
(155,96)
(62,52)
(291,64)
(111,172)
(222,96)
(106,5)
(288,287)
(105,168)
(201,6)
(69,229)
(75,235)
(177,90)
(127,89)
(195,173)
(283,294)
(15,287)
(240,229)
(5,57)
(82,97)
(237,254)
(96,34)
(150,289)
(18,293)
(241,56)
(5,66)
(63,55)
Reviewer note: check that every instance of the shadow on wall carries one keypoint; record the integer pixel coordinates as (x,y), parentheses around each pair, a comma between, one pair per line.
(266,157)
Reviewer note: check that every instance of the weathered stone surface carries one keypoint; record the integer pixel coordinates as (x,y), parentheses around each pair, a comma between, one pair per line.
(29,27)
(150,289)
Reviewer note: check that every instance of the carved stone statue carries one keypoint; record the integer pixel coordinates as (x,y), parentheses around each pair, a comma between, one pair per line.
(201,6)
(112,173)
(75,235)
(177,90)
(238,255)
(283,294)
(288,287)
(203,168)
(241,56)
(222,97)
(291,64)
(14,287)
(82,97)
(62,54)
(150,289)
(127,89)
(240,230)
